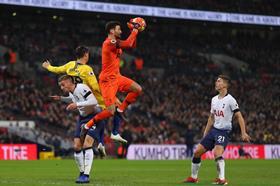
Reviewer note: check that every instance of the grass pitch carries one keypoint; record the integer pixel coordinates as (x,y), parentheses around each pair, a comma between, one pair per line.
(137,173)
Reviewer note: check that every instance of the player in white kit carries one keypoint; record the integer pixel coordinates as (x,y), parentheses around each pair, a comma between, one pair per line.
(82,99)
(217,132)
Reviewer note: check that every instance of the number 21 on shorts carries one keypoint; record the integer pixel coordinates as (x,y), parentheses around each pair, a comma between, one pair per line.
(221,139)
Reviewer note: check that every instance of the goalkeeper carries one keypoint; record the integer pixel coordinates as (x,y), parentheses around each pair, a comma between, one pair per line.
(110,79)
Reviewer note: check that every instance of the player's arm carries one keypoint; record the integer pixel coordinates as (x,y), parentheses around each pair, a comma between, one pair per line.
(210,120)
(58,70)
(240,119)
(237,114)
(90,100)
(66,99)
(210,123)
(130,42)
(134,44)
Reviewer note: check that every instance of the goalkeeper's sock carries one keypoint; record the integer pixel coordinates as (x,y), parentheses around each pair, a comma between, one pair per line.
(220,167)
(79,158)
(130,98)
(195,167)
(88,160)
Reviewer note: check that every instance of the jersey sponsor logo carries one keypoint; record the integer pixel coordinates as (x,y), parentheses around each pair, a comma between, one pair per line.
(219,113)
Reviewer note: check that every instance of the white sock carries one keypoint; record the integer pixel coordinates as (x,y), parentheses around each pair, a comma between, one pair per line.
(195,168)
(79,158)
(221,168)
(88,160)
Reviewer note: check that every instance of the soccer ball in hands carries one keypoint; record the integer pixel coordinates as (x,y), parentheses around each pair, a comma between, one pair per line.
(138,23)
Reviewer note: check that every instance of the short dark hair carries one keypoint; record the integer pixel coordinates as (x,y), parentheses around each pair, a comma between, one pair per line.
(65,77)
(225,78)
(81,51)
(110,25)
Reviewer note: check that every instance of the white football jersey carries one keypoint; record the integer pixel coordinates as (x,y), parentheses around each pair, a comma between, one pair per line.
(85,100)
(223,110)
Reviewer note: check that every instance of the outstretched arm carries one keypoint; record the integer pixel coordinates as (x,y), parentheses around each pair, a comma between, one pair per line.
(58,70)
(61,98)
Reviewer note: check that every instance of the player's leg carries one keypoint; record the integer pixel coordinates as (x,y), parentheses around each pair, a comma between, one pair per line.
(207,143)
(88,159)
(220,164)
(116,120)
(101,144)
(109,90)
(78,153)
(133,89)
(116,125)
(79,156)
(115,130)
(196,162)
(117,136)
(100,141)
(221,141)
(92,134)
(102,115)
(87,147)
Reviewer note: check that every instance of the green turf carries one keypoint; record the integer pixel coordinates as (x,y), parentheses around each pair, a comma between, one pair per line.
(137,173)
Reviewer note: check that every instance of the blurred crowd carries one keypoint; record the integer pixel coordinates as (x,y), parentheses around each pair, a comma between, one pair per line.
(178,83)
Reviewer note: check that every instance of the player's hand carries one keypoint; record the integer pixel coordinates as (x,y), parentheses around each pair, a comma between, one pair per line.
(71,106)
(55,97)
(245,137)
(133,26)
(45,64)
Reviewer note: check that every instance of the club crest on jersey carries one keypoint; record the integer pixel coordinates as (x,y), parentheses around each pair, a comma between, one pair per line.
(219,113)
(113,41)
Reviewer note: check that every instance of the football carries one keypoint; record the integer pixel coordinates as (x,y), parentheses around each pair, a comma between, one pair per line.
(140,22)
